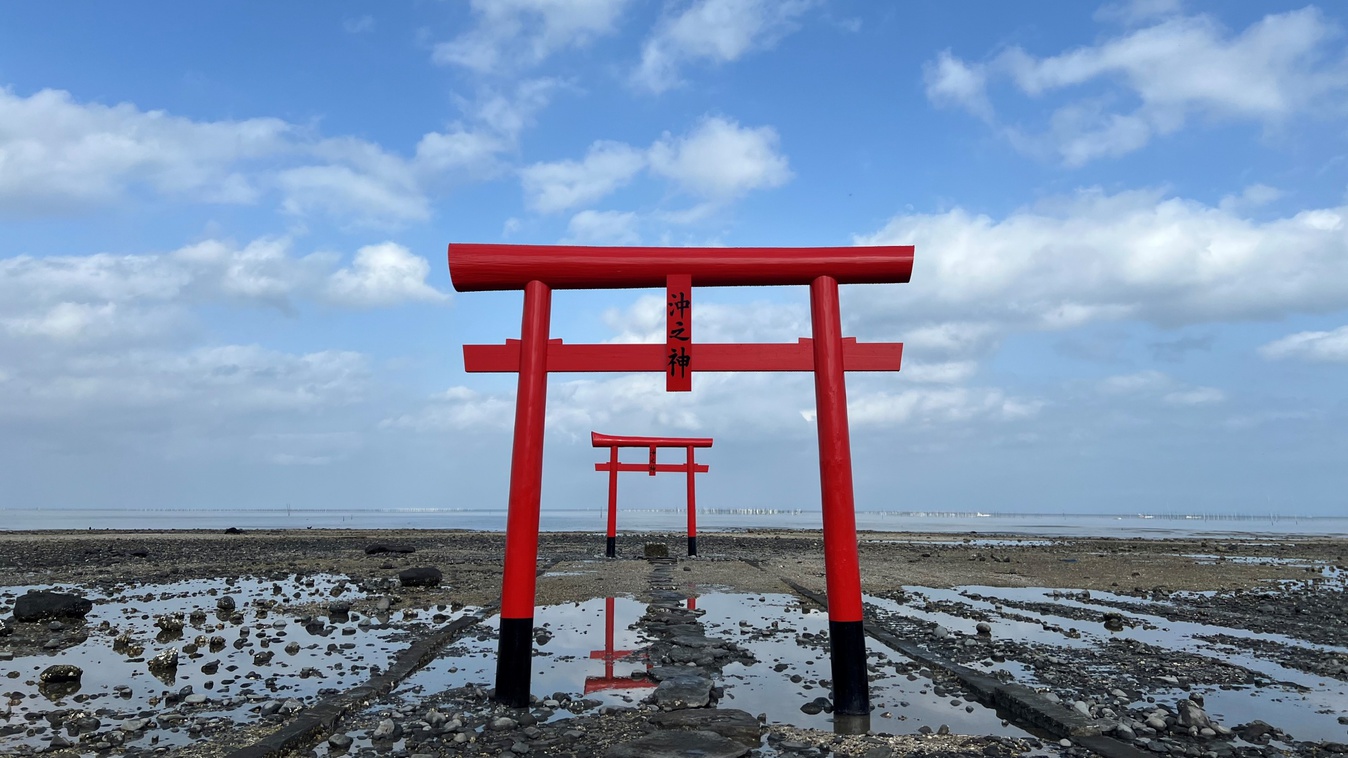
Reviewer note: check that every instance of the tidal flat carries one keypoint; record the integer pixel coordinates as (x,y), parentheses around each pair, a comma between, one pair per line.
(382,642)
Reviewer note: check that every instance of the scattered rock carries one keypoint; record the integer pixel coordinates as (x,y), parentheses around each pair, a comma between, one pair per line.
(378,548)
(425,576)
(733,724)
(37,605)
(668,744)
(61,672)
(164,661)
(691,690)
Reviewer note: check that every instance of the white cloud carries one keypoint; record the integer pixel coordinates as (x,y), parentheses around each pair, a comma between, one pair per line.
(206,381)
(1316,347)
(1195,396)
(721,159)
(948,372)
(1158,385)
(140,298)
(1094,257)
(951,81)
(1128,384)
(458,408)
(558,186)
(514,34)
(340,190)
(1181,67)
(361,25)
(714,31)
(59,156)
(928,407)
(94,322)
(382,275)
(603,228)
(1135,11)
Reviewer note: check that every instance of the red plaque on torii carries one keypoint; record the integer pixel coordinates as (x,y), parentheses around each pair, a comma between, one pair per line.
(539,269)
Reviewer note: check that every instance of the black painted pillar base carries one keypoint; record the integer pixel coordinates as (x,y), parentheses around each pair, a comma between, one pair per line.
(847,653)
(514,662)
(692,545)
(612,550)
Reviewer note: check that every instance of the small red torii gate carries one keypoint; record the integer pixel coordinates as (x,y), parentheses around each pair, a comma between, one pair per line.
(612,466)
(539,269)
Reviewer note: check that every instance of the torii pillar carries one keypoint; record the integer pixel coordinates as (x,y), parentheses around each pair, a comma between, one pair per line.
(538,269)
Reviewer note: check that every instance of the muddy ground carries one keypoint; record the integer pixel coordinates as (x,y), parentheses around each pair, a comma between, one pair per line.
(1254,600)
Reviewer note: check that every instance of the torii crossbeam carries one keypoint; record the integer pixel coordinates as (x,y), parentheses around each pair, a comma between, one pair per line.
(539,269)
(612,466)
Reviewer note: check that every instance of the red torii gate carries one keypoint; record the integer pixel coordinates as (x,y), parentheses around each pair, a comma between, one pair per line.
(612,466)
(539,269)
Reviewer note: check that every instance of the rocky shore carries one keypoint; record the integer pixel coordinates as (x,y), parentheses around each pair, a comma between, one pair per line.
(320,642)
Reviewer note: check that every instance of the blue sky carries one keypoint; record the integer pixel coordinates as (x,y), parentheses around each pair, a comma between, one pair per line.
(223,282)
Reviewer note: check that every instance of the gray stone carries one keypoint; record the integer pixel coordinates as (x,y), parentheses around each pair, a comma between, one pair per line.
(424,576)
(164,661)
(504,724)
(667,744)
(226,603)
(1192,714)
(734,724)
(340,741)
(655,550)
(691,690)
(378,548)
(37,605)
(384,730)
(134,725)
(61,672)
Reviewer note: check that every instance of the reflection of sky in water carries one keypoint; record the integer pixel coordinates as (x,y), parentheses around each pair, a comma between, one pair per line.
(1299,713)
(562,664)
(758,688)
(134,608)
(1005,542)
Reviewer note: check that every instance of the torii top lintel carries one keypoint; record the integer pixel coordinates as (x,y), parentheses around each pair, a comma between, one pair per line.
(616,440)
(476,267)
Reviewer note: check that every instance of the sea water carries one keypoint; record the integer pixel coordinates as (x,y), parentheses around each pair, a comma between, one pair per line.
(674,520)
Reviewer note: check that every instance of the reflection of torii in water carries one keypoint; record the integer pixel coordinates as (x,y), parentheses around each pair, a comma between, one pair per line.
(608,655)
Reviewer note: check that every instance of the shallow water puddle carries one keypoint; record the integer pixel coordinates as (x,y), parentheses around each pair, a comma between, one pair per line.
(781,633)
(1305,705)
(257,654)
(589,650)
(593,651)
(981,542)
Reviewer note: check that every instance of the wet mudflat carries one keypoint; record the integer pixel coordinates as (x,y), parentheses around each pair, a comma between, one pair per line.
(1242,650)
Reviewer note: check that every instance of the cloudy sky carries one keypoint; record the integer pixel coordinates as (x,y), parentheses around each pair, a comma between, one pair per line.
(223,226)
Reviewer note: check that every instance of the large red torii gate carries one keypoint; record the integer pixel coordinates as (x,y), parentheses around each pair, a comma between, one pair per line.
(612,466)
(539,269)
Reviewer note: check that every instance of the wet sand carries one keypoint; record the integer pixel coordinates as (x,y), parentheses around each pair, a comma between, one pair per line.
(1100,626)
